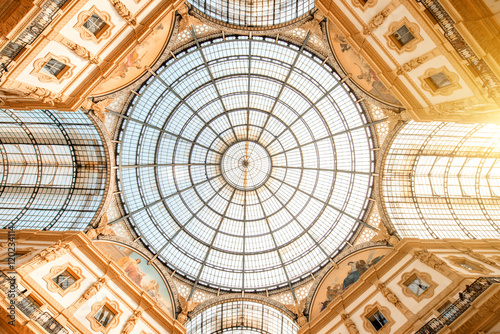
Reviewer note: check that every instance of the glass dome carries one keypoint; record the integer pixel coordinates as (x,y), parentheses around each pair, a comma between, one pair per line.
(245,163)
(254,13)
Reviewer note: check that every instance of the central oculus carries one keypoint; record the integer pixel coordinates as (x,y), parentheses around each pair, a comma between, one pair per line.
(246,165)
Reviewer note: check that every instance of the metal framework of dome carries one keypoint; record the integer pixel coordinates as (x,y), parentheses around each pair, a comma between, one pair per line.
(241,317)
(245,164)
(254,13)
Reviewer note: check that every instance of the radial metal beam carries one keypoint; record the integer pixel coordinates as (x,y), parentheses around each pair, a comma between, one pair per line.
(161,200)
(276,248)
(211,246)
(200,49)
(326,137)
(328,204)
(163,131)
(292,67)
(190,108)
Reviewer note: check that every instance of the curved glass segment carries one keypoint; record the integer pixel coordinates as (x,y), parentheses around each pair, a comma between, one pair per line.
(442,180)
(241,317)
(53,170)
(245,164)
(256,13)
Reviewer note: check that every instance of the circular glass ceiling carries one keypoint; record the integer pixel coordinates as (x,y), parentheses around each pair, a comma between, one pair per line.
(245,164)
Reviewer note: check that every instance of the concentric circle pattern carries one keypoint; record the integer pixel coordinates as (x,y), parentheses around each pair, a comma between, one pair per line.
(245,163)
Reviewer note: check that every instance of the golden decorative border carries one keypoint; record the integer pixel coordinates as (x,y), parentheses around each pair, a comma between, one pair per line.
(408,277)
(363,5)
(85,34)
(113,306)
(427,85)
(408,47)
(55,271)
(386,312)
(43,76)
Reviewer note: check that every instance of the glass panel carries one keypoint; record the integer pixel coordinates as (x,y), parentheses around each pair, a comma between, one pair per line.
(54,67)
(64,280)
(94,24)
(249,169)
(104,316)
(241,317)
(403,36)
(440,80)
(417,286)
(441,180)
(56,166)
(377,320)
(254,13)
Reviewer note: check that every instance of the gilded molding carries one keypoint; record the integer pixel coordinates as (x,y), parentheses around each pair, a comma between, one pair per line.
(80,51)
(298,309)
(92,290)
(314,25)
(187,20)
(132,321)
(364,4)
(390,296)
(480,257)
(431,260)
(51,253)
(413,64)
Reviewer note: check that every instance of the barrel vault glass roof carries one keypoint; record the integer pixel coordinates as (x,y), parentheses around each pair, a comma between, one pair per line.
(245,163)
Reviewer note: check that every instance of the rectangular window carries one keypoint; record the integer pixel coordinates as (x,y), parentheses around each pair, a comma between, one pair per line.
(439,80)
(55,68)
(95,25)
(403,36)
(104,316)
(377,320)
(64,280)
